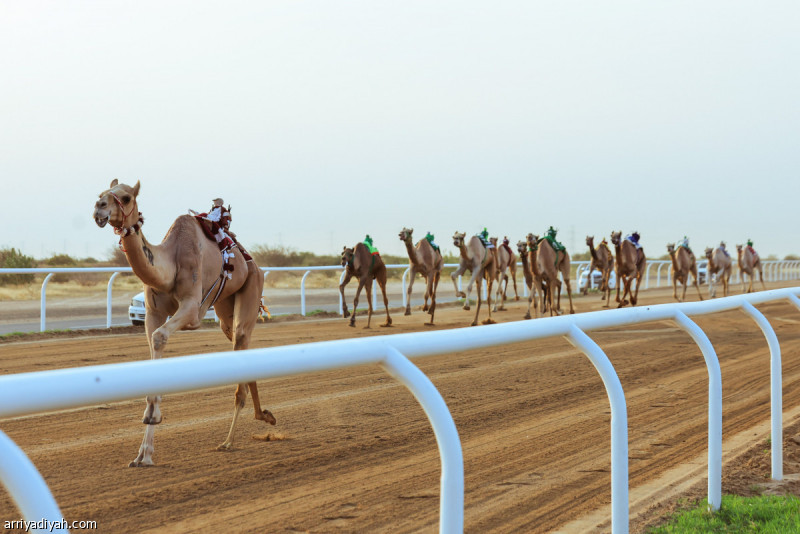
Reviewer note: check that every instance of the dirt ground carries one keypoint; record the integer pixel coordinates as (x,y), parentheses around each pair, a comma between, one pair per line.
(354,452)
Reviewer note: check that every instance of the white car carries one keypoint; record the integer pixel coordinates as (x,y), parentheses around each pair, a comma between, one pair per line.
(136,311)
(597,278)
(702,271)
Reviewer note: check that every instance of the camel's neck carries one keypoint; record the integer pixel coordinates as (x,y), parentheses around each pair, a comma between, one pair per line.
(674,257)
(533,257)
(526,268)
(593,251)
(412,252)
(143,259)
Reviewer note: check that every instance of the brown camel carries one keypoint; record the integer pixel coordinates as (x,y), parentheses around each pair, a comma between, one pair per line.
(749,263)
(506,263)
(533,278)
(631,263)
(683,263)
(365,266)
(480,261)
(603,261)
(550,262)
(427,261)
(719,265)
(182,276)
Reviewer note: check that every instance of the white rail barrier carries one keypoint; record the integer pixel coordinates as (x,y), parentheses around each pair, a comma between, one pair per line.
(68,388)
(774,270)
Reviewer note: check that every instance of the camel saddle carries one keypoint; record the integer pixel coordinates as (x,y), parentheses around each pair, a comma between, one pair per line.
(210,228)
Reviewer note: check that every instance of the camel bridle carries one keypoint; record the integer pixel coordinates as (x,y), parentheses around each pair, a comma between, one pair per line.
(123,231)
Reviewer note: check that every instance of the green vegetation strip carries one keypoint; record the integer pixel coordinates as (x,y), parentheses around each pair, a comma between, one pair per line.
(767,514)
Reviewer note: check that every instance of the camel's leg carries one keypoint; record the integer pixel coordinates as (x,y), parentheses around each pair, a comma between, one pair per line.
(381,277)
(674,286)
(635,296)
(489,282)
(569,295)
(606,290)
(726,280)
(585,290)
(626,290)
(761,277)
(475,272)
(697,284)
(412,274)
(462,268)
(347,277)
(478,306)
(238,316)
(514,279)
(558,298)
(361,283)
(368,291)
(433,281)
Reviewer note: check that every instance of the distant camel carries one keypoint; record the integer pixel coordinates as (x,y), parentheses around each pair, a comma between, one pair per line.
(683,263)
(550,262)
(603,261)
(533,280)
(506,262)
(719,264)
(480,261)
(176,275)
(631,263)
(427,261)
(749,263)
(365,266)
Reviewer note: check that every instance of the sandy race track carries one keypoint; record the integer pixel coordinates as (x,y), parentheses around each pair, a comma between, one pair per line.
(354,452)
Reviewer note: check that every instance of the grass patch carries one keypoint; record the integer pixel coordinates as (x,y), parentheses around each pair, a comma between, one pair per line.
(768,514)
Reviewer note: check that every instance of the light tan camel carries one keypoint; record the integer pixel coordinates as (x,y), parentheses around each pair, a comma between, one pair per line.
(550,262)
(749,263)
(631,263)
(720,266)
(683,264)
(427,261)
(178,275)
(480,261)
(366,267)
(506,263)
(603,261)
(533,279)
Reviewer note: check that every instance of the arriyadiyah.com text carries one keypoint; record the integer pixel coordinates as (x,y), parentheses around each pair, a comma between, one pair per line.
(49,526)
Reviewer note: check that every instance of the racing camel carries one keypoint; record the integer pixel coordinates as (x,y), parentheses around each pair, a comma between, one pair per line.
(631,263)
(480,261)
(533,279)
(550,258)
(427,261)
(720,266)
(364,262)
(506,263)
(178,277)
(749,262)
(683,263)
(603,261)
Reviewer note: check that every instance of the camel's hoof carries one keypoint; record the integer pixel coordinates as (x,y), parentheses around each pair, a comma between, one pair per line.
(466,308)
(527,316)
(267,417)
(365,328)
(474,323)
(428,324)
(408,312)
(425,307)
(346,314)
(351,323)
(489,321)
(150,421)
(384,325)
(225,446)
(461,294)
(139,463)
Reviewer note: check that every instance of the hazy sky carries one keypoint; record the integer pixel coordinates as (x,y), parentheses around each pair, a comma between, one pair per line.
(322,121)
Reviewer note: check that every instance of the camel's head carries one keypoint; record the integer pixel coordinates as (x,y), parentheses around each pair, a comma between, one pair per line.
(708,252)
(117,206)
(458,238)
(739,248)
(347,256)
(590,240)
(493,241)
(405,234)
(522,247)
(671,248)
(616,238)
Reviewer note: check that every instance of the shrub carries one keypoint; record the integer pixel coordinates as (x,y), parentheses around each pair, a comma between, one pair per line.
(13,259)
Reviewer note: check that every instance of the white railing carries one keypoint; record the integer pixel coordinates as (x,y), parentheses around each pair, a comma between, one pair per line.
(69,388)
(774,270)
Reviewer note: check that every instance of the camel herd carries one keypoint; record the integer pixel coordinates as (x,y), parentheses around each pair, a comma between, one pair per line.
(187,267)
